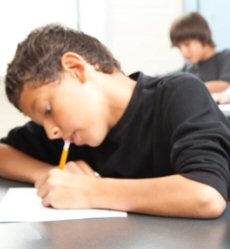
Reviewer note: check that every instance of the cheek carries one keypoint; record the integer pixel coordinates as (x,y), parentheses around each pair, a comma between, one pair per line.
(65,119)
(97,134)
(92,108)
(96,127)
(194,54)
(197,50)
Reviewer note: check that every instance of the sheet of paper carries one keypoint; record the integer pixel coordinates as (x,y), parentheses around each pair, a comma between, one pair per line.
(225,108)
(23,205)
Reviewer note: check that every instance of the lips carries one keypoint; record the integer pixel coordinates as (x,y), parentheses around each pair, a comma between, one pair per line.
(70,138)
(75,139)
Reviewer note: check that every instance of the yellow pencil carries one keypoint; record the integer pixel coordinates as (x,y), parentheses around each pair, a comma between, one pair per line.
(64,155)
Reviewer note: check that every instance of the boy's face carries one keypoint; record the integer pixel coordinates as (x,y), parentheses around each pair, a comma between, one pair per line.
(69,109)
(192,50)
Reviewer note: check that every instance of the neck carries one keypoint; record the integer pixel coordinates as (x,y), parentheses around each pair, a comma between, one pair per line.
(118,87)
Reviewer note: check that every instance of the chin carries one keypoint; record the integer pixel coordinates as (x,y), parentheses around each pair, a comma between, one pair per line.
(95,144)
(194,61)
(91,139)
(97,141)
(92,143)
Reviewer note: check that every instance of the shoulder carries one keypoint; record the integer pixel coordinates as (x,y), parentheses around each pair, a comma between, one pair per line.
(26,131)
(166,86)
(27,136)
(183,81)
(183,94)
(224,54)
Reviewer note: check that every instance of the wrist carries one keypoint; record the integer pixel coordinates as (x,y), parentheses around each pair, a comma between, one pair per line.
(96,192)
(110,193)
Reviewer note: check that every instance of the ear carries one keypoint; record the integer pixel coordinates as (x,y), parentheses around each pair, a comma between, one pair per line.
(74,64)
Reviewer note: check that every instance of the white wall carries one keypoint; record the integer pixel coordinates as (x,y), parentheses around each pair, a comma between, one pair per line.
(19,17)
(136,31)
(9,116)
(139,34)
(93,18)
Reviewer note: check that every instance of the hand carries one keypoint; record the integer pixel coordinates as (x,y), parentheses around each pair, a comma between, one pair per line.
(70,188)
(80,168)
(221,98)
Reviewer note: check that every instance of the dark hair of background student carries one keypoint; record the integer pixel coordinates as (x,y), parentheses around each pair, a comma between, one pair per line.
(191,26)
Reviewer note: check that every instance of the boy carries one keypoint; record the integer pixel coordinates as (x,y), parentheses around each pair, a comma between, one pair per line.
(192,35)
(157,151)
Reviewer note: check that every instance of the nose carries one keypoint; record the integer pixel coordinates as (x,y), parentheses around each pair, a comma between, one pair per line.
(52,130)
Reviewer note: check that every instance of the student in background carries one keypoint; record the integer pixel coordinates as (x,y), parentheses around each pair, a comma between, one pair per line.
(157,151)
(193,37)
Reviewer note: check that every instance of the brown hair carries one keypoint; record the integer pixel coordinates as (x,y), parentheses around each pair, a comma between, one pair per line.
(38,58)
(191,26)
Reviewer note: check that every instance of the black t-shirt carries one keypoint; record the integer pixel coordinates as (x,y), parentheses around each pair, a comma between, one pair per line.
(171,126)
(215,68)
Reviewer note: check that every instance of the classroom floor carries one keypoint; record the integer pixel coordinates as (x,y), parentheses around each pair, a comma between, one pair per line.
(10,116)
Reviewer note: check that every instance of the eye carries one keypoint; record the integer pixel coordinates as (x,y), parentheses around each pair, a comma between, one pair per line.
(48,110)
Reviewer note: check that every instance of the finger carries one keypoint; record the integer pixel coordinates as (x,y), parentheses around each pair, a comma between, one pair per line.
(42,191)
(41,181)
(53,199)
(44,183)
(43,178)
(224,99)
(46,202)
(86,168)
(72,167)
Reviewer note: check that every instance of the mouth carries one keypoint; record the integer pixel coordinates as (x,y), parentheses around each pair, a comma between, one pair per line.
(70,138)
(73,137)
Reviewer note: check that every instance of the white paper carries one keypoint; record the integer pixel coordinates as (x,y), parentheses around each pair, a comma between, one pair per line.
(225,108)
(23,205)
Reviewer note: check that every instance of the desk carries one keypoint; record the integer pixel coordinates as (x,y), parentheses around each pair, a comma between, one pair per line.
(136,231)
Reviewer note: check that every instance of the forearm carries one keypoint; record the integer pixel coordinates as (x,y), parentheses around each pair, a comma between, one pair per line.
(166,196)
(16,165)
(217,85)
(174,195)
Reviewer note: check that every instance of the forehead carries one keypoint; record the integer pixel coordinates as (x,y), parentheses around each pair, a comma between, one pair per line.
(188,42)
(34,89)
(30,93)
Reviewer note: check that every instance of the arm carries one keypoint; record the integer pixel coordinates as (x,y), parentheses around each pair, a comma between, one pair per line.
(16,165)
(215,86)
(222,97)
(222,64)
(158,196)
(26,153)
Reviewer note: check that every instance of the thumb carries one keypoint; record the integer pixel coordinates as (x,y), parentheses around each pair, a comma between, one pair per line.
(72,168)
